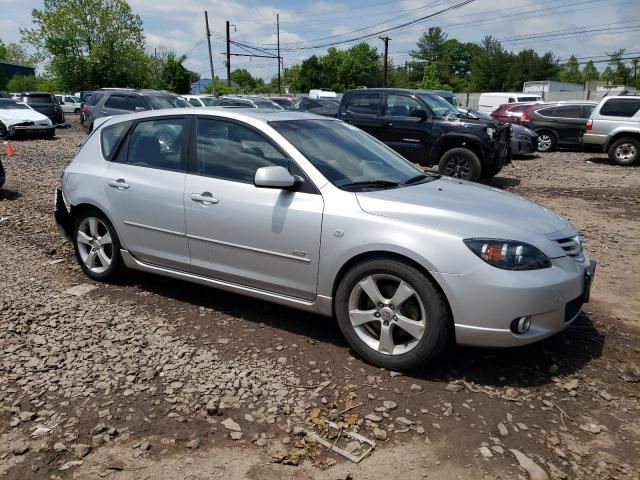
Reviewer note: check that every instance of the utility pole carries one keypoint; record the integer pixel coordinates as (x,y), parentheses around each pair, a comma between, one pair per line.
(635,68)
(279,59)
(228,56)
(213,77)
(386,54)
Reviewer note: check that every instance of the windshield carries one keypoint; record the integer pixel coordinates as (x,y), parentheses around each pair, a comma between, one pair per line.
(6,104)
(348,157)
(267,104)
(44,98)
(439,106)
(209,101)
(528,99)
(158,102)
(479,114)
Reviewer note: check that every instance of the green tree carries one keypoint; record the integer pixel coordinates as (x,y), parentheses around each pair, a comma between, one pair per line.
(571,71)
(90,43)
(608,75)
(590,72)
(22,83)
(3,50)
(431,79)
(430,46)
(490,66)
(360,66)
(244,79)
(175,77)
(310,75)
(621,72)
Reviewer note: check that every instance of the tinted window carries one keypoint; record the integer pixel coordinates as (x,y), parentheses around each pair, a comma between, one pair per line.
(166,101)
(194,102)
(116,101)
(209,101)
(157,144)
(528,99)
(233,152)
(546,112)
(518,108)
(111,136)
(268,104)
(511,100)
(439,106)
(620,107)
(401,105)
(363,104)
(587,110)
(44,98)
(134,102)
(94,98)
(10,104)
(568,111)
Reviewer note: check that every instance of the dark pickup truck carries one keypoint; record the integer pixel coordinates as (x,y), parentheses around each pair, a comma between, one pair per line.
(428,130)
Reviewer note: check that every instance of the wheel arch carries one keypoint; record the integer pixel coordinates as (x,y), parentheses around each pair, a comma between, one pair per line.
(547,130)
(78,209)
(387,255)
(449,142)
(620,135)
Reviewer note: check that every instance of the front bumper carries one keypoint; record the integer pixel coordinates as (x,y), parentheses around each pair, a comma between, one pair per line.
(32,129)
(62,214)
(524,146)
(486,301)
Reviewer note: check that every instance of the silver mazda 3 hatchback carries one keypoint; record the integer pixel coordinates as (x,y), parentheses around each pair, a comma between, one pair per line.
(313,213)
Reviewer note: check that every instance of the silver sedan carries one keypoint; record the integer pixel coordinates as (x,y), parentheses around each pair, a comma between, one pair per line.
(313,213)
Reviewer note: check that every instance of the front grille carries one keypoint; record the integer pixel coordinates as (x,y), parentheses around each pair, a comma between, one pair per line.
(572,246)
(573,308)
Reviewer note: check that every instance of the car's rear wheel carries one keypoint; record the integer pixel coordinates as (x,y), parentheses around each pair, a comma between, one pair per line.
(391,314)
(546,141)
(76,111)
(97,246)
(625,151)
(3,131)
(460,163)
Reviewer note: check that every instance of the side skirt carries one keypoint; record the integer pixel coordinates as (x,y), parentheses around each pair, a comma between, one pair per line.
(322,305)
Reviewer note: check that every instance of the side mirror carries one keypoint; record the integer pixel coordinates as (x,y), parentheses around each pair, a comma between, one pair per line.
(274,177)
(419,113)
(140,109)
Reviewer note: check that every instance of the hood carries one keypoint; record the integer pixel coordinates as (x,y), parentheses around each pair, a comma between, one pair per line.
(19,115)
(464,208)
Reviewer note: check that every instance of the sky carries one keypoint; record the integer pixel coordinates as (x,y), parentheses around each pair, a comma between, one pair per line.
(586,28)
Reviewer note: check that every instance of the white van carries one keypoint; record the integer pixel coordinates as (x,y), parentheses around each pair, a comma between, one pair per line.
(322,93)
(489,102)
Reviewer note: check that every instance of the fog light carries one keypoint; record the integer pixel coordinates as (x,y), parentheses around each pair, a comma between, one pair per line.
(521,325)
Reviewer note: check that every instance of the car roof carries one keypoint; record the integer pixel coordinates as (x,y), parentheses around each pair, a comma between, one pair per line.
(142,91)
(393,90)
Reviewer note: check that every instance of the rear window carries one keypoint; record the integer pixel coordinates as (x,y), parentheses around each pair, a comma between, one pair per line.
(44,98)
(528,99)
(518,108)
(620,107)
(110,138)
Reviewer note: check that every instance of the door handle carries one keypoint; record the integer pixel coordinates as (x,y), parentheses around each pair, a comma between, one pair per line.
(120,184)
(205,198)
(104,112)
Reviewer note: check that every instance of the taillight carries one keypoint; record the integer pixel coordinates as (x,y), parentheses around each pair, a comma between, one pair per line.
(589,125)
(525,117)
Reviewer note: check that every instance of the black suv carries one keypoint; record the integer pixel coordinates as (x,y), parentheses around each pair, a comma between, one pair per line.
(45,103)
(428,130)
(558,124)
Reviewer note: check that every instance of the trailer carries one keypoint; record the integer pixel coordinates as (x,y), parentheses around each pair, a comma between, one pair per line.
(546,87)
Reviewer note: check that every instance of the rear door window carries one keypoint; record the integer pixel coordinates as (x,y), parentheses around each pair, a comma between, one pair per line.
(620,107)
(363,104)
(94,98)
(158,144)
(546,112)
(568,111)
(134,101)
(587,110)
(116,101)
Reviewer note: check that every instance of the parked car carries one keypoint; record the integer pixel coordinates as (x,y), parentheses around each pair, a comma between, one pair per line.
(614,126)
(19,118)
(326,108)
(511,112)
(428,130)
(322,93)
(523,140)
(202,100)
(69,103)
(2,174)
(447,95)
(45,103)
(315,214)
(558,124)
(285,102)
(489,102)
(249,102)
(118,101)
(83,95)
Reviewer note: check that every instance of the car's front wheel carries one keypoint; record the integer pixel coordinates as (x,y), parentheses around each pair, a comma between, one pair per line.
(391,314)
(3,131)
(97,246)
(460,163)
(546,142)
(625,151)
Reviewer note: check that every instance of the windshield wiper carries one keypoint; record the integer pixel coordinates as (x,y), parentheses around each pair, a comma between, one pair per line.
(423,176)
(371,183)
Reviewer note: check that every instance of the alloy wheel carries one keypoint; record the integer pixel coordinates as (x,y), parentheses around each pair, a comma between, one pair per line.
(544,142)
(458,167)
(95,244)
(387,314)
(625,152)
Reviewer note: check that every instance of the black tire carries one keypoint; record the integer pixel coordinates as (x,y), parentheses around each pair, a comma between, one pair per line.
(4,133)
(50,135)
(116,267)
(546,141)
(625,151)
(436,317)
(460,163)
(76,111)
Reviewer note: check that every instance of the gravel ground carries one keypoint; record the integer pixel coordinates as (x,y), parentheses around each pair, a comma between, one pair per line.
(153,378)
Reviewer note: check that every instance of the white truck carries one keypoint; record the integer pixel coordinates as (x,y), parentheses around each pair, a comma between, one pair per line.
(320,93)
(489,102)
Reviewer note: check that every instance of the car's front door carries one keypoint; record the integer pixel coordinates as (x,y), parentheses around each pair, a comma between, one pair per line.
(569,123)
(257,237)
(144,186)
(115,105)
(363,109)
(403,131)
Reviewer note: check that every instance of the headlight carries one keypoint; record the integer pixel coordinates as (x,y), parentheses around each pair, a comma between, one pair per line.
(508,254)
(490,132)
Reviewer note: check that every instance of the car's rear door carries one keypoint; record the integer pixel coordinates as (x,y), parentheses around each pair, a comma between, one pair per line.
(569,123)
(363,109)
(256,237)
(403,131)
(144,186)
